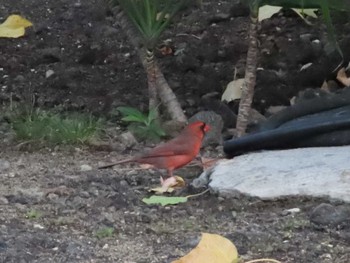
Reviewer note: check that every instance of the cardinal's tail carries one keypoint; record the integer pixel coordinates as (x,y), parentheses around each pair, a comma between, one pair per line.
(119,162)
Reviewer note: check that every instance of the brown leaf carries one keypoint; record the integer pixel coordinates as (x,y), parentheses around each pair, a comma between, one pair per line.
(343,78)
(169,185)
(325,86)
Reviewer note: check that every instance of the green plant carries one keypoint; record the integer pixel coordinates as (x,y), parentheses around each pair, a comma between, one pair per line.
(33,214)
(104,232)
(151,18)
(54,128)
(142,125)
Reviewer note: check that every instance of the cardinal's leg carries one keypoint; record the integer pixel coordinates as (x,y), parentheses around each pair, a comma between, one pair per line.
(170,173)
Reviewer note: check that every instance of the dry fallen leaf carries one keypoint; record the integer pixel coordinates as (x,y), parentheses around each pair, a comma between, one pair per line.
(233,90)
(166,51)
(267,11)
(174,181)
(211,249)
(169,185)
(14,26)
(325,86)
(343,78)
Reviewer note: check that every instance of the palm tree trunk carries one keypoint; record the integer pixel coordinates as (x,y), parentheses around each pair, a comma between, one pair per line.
(166,94)
(151,80)
(249,78)
(168,97)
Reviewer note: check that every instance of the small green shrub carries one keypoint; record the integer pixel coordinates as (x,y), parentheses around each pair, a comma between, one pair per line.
(104,232)
(141,125)
(33,214)
(55,128)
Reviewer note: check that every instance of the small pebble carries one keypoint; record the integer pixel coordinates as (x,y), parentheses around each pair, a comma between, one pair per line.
(291,211)
(38,226)
(49,73)
(85,167)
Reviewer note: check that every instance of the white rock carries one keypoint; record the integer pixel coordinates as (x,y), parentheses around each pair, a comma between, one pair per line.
(38,226)
(318,172)
(293,210)
(49,73)
(85,167)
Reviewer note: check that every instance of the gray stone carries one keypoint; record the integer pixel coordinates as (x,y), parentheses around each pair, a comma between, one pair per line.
(213,136)
(85,167)
(329,215)
(128,139)
(317,172)
(3,200)
(4,165)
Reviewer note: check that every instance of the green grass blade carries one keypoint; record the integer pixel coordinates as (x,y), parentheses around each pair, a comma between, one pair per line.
(330,28)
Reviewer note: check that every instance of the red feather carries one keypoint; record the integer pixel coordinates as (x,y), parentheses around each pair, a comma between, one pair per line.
(175,153)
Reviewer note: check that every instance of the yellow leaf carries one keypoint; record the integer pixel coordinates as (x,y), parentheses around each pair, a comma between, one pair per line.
(14,26)
(11,33)
(211,249)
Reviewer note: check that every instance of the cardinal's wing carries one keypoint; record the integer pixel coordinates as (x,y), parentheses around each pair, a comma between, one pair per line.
(172,148)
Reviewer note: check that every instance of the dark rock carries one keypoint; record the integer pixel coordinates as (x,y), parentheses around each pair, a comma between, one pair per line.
(19,78)
(220,17)
(187,62)
(89,57)
(21,199)
(329,215)
(3,246)
(49,55)
(221,108)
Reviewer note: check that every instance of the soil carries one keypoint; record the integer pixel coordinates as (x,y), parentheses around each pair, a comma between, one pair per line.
(53,207)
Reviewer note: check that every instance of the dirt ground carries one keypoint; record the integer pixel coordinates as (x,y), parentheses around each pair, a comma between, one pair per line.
(54,208)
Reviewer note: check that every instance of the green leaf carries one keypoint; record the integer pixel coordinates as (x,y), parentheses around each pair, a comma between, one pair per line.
(330,28)
(132,118)
(164,200)
(129,110)
(152,115)
(133,113)
(150,17)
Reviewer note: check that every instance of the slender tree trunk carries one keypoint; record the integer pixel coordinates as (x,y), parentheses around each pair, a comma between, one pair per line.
(166,94)
(169,98)
(250,77)
(151,80)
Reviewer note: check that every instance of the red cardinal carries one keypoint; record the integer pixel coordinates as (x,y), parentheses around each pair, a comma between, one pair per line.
(175,153)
